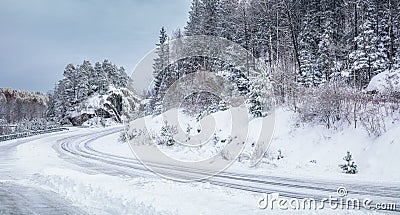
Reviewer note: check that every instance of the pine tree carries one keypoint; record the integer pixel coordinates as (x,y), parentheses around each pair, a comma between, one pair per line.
(325,59)
(310,73)
(122,78)
(112,73)
(160,72)
(83,75)
(243,35)
(260,98)
(162,50)
(227,18)
(196,22)
(369,59)
(167,134)
(211,17)
(349,167)
(70,86)
(61,100)
(101,80)
(223,106)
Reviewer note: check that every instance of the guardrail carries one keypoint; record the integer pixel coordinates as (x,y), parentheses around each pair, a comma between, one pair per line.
(29,134)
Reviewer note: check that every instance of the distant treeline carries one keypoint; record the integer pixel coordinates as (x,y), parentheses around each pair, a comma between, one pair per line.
(16,105)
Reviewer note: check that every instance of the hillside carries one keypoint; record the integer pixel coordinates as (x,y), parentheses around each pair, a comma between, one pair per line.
(17,105)
(90,95)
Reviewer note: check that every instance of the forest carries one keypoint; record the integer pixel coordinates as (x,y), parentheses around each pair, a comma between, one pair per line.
(319,55)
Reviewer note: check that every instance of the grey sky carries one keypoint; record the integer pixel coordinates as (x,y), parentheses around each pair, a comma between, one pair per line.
(38,38)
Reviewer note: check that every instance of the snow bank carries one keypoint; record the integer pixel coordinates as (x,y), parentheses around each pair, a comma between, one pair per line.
(315,151)
(103,194)
(198,140)
(384,82)
(307,149)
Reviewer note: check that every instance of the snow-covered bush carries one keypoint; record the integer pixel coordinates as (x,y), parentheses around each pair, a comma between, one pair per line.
(335,104)
(349,167)
(323,104)
(372,120)
(167,134)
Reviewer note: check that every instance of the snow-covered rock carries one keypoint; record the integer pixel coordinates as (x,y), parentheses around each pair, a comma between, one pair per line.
(388,81)
(114,105)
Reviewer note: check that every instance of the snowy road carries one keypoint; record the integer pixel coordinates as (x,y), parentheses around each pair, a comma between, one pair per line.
(78,150)
(288,187)
(19,199)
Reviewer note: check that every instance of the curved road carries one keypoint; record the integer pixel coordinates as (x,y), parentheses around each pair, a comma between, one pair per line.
(22,199)
(80,149)
(84,153)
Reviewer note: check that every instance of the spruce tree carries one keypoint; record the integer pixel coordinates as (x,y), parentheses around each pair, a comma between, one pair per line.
(211,17)
(101,80)
(349,167)
(195,24)
(260,98)
(160,72)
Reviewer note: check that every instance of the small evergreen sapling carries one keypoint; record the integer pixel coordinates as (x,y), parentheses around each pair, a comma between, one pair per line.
(222,106)
(349,167)
(167,134)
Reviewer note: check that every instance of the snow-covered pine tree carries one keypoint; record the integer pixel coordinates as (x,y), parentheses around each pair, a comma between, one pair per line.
(213,108)
(51,107)
(195,24)
(243,35)
(349,167)
(83,74)
(227,18)
(93,81)
(111,71)
(369,59)
(122,77)
(263,28)
(70,86)
(310,74)
(211,17)
(101,81)
(162,60)
(62,100)
(260,97)
(167,134)
(327,47)
(223,106)
(160,72)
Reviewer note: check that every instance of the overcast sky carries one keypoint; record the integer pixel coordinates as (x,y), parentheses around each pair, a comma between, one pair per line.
(38,38)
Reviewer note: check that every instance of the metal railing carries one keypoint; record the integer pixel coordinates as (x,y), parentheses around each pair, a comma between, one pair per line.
(29,134)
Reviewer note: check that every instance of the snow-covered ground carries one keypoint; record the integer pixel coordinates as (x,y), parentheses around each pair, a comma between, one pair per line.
(315,151)
(308,150)
(109,184)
